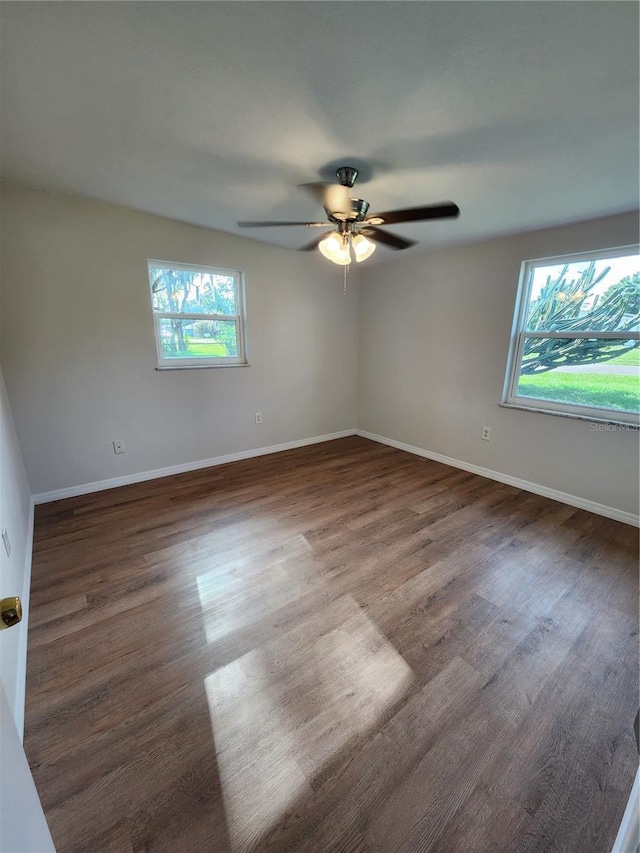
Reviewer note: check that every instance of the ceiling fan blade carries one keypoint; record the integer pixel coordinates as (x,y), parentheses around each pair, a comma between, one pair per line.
(309,247)
(386,237)
(317,190)
(278,224)
(444,210)
(336,198)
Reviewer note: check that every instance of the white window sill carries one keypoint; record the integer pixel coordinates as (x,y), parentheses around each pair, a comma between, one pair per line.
(595,420)
(201,366)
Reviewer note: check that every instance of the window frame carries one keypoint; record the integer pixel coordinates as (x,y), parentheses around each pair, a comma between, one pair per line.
(519,334)
(239,318)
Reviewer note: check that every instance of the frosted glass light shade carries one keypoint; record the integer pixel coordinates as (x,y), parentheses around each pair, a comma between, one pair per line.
(362,248)
(335,248)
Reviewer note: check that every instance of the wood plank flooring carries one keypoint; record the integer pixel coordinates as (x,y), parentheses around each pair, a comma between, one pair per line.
(338,648)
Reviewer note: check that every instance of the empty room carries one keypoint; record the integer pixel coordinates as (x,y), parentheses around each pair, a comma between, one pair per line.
(320,405)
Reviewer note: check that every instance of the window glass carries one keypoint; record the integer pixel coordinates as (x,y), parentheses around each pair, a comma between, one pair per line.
(198,315)
(576,342)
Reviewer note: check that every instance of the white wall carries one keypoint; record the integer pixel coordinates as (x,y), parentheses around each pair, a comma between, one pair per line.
(17,516)
(22,821)
(434,337)
(79,356)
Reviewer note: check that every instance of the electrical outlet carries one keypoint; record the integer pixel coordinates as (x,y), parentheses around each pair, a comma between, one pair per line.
(486,433)
(258,417)
(5,539)
(118,446)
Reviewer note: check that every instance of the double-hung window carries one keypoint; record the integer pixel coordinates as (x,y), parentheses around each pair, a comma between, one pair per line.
(198,314)
(576,336)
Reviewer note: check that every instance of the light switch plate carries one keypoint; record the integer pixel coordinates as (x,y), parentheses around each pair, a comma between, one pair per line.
(6,541)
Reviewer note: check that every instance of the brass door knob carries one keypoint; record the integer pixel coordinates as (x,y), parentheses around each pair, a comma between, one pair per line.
(10,612)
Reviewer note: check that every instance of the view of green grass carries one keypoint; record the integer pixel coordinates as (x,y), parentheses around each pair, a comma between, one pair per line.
(585,389)
(206,348)
(197,347)
(632,357)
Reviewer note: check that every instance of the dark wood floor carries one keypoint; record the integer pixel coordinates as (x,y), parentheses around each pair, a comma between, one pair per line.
(337,648)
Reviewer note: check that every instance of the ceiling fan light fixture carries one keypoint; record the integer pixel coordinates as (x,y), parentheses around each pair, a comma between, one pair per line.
(335,248)
(362,248)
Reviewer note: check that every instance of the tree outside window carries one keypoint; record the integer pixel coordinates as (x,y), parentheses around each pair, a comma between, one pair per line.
(576,344)
(198,315)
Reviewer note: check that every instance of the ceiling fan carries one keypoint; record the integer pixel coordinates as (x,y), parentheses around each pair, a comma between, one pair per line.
(356,232)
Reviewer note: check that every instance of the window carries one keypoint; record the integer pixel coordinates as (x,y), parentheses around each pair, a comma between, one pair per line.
(198,314)
(574,348)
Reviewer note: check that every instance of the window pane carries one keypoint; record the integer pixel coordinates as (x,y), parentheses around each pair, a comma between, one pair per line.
(192,292)
(198,338)
(586,296)
(582,372)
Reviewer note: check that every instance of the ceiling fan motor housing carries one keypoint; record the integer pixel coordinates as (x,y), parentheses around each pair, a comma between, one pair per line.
(359,208)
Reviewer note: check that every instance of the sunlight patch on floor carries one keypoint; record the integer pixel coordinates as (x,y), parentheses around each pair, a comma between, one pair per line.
(283,714)
(248,589)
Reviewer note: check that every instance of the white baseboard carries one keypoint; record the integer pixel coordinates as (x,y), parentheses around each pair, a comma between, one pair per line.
(140,477)
(526,485)
(536,488)
(21,676)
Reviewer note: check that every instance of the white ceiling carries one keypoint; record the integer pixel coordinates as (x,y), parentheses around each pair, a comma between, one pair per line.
(525,114)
